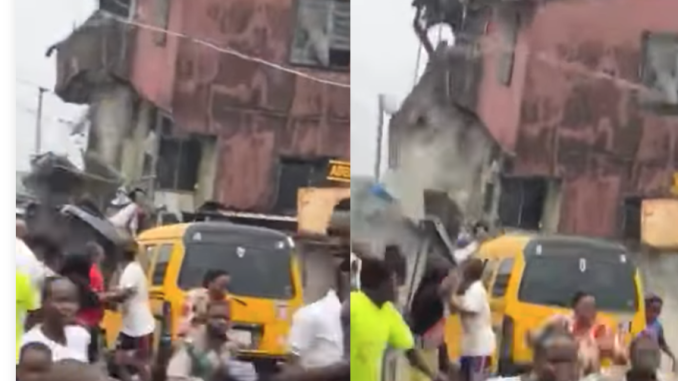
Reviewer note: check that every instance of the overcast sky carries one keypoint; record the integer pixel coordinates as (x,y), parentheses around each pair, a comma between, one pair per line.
(384,54)
(39,24)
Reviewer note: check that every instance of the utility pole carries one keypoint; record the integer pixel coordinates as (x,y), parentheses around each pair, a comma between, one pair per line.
(38,122)
(380,137)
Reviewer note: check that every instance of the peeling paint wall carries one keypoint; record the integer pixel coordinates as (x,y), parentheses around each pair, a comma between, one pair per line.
(257,113)
(572,111)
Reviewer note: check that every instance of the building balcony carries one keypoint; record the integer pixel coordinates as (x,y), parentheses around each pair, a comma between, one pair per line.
(98,52)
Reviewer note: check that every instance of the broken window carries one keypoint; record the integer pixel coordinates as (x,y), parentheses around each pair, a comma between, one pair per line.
(660,71)
(521,203)
(631,224)
(120,8)
(322,35)
(178,164)
(295,173)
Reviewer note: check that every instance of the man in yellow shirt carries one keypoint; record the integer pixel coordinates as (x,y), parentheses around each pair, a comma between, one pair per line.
(26,300)
(376,324)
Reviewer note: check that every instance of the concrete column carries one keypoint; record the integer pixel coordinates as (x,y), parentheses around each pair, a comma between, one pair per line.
(112,121)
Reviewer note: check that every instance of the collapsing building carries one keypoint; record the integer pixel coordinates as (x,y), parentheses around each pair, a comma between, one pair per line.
(181,115)
(583,96)
(441,148)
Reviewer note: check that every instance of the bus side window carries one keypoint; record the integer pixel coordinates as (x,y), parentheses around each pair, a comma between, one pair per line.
(503,277)
(145,256)
(488,272)
(160,264)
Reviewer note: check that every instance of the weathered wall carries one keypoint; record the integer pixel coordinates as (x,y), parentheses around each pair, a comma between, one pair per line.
(571,110)
(258,113)
(154,65)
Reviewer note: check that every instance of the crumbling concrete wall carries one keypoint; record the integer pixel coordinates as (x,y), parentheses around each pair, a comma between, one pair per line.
(112,120)
(441,145)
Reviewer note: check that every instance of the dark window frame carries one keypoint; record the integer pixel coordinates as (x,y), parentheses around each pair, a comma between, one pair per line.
(178,171)
(163,255)
(317,168)
(538,186)
(300,56)
(119,8)
(647,74)
(631,219)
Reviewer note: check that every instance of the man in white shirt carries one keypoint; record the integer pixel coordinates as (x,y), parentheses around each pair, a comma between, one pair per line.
(138,325)
(478,340)
(316,335)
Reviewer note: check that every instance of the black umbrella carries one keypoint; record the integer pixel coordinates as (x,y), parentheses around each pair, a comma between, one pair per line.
(100,225)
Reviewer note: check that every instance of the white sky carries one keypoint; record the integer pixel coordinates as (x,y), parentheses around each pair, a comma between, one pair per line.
(383,61)
(37,25)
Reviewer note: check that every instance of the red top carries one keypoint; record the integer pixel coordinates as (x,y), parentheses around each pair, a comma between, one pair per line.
(91,317)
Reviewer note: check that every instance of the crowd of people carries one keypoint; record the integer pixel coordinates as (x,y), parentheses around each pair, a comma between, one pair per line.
(566,347)
(61,302)
(343,335)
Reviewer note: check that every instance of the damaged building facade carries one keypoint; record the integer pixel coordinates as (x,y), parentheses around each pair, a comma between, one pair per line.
(181,115)
(583,99)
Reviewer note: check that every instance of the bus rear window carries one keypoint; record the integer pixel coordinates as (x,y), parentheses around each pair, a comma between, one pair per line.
(554,279)
(256,271)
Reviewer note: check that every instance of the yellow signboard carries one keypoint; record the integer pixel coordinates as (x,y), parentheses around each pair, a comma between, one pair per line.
(674,188)
(339,171)
(658,223)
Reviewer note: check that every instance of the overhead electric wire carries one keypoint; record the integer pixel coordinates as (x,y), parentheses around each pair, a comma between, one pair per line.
(225,50)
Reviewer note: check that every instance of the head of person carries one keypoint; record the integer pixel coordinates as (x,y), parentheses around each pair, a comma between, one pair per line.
(35,360)
(72,370)
(76,266)
(556,356)
(480,230)
(129,251)
(60,300)
(218,318)
(95,252)
(584,307)
(378,280)
(473,270)
(653,307)
(216,282)
(436,271)
(137,195)
(644,355)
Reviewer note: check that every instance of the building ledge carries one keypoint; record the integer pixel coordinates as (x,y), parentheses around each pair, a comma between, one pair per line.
(97,53)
